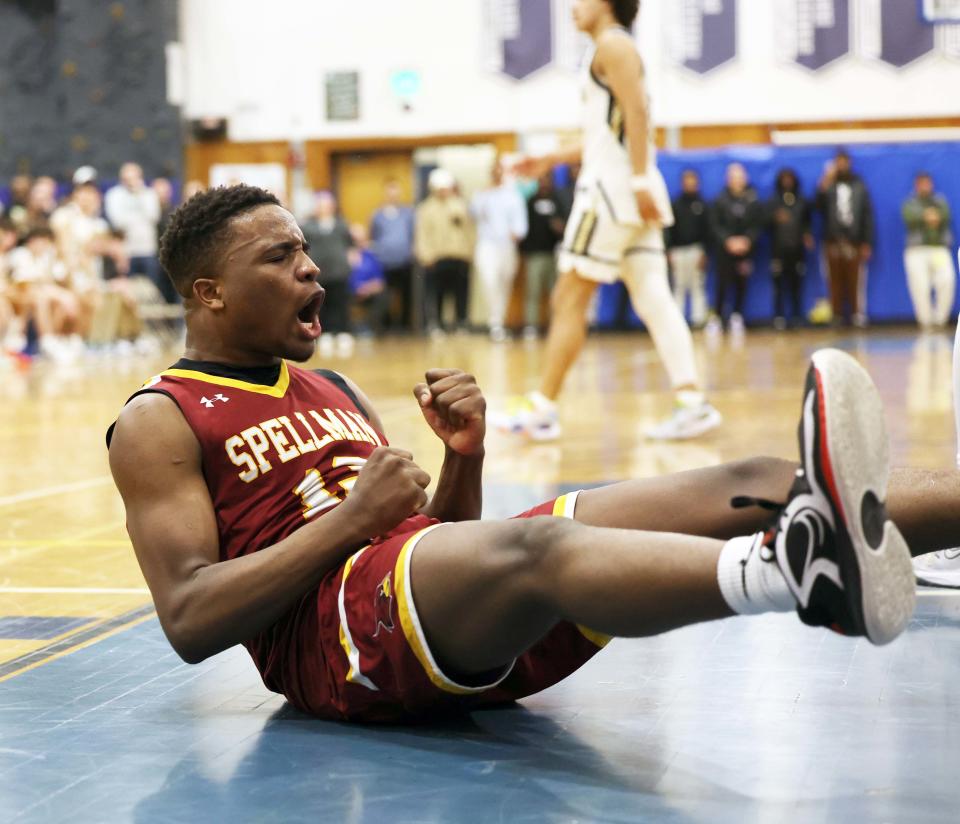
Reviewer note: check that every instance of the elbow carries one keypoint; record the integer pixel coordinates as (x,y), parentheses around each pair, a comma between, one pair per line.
(188,646)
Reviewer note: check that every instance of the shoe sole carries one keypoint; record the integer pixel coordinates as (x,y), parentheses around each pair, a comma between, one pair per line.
(854,456)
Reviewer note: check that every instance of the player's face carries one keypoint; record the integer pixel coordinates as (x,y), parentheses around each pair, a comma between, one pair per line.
(586,13)
(271,297)
(924,186)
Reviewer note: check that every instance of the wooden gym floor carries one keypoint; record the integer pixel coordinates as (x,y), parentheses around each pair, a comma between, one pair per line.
(742,720)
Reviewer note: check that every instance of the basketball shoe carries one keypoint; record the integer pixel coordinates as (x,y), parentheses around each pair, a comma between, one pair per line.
(532,415)
(687,421)
(938,569)
(843,559)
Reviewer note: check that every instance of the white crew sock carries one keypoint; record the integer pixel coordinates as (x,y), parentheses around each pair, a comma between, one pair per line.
(749,584)
(690,398)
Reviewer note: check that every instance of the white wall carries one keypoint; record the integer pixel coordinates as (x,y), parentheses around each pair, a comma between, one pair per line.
(261,64)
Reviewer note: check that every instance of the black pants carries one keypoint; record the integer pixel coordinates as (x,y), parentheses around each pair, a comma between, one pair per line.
(335,313)
(788,271)
(399,298)
(447,277)
(733,272)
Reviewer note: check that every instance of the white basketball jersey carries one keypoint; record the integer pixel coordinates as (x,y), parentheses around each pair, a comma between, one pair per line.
(606,161)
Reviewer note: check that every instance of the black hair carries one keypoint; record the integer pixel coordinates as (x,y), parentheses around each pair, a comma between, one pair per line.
(842,153)
(783,173)
(625,11)
(924,175)
(7,225)
(197,229)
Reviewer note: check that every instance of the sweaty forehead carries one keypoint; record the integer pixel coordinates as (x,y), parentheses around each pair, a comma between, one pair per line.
(261,227)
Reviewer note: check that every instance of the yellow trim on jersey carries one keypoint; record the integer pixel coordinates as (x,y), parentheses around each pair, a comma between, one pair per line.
(412,630)
(278,390)
(346,639)
(581,238)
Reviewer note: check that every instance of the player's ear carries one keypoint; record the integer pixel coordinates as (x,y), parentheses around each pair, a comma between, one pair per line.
(209,292)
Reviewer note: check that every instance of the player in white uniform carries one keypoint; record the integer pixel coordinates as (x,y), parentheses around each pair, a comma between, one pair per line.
(615,230)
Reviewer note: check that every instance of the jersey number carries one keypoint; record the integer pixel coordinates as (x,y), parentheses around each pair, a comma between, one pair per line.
(315,496)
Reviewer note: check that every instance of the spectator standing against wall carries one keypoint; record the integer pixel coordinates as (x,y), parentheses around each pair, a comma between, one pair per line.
(368,283)
(789,217)
(736,221)
(443,244)
(545,226)
(844,200)
(687,242)
(500,215)
(391,241)
(928,258)
(330,246)
(133,208)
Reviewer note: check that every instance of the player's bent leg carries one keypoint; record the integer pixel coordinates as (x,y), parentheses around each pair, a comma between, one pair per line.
(487,591)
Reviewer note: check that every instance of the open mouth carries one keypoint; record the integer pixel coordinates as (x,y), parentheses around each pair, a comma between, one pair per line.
(309,316)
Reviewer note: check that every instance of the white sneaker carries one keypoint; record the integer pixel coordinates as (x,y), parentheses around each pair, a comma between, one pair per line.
(713,329)
(737,327)
(938,569)
(531,416)
(686,422)
(498,334)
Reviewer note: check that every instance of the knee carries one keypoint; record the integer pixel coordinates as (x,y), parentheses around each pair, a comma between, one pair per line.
(534,550)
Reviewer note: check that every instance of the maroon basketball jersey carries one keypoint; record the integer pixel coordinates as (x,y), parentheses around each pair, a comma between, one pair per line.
(274,455)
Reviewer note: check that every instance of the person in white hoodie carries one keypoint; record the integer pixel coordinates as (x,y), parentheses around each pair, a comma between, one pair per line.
(500,214)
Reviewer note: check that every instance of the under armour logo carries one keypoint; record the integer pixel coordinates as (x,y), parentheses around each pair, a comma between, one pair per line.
(208,402)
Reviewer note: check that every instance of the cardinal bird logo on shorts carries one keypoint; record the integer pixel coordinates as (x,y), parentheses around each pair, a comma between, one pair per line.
(383,606)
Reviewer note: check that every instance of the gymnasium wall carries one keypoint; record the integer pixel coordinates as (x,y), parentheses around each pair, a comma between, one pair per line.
(888,171)
(505,65)
(84,82)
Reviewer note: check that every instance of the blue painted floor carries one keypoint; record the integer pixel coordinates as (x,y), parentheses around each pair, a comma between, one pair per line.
(746,720)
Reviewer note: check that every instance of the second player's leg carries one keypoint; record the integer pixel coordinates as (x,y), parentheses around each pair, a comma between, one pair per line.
(568,329)
(486,591)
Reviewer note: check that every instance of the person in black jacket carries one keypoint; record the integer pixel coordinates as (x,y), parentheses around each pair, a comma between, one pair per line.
(848,234)
(330,245)
(546,222)
(788,214)
(687,242)
(736,221)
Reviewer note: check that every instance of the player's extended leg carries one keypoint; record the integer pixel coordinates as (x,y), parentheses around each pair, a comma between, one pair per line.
(921,502)
(567,331)
(484,592)
(487,591)
(645,276)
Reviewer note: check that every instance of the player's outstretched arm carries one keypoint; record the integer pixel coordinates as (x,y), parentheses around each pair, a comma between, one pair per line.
(206,605)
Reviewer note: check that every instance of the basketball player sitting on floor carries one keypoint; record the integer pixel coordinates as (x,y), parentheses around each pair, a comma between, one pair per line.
(267,509)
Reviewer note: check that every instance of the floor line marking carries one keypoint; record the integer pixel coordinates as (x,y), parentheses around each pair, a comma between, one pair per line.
(75,642)
(47,491)
(74,590)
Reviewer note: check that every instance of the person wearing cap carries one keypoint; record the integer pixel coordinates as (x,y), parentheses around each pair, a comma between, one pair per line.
(443,244)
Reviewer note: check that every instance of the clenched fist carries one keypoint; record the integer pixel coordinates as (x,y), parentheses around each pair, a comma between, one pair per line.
(455,409)
(389,488)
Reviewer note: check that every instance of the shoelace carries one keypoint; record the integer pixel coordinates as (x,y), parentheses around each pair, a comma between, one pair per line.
(745,501)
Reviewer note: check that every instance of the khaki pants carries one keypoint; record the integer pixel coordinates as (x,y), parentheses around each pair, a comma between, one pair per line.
(689,277)
(847,284)
(541,274)
(932,283)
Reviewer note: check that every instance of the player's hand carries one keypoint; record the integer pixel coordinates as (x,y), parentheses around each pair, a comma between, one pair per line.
(389,488)
(866,252)
(454,407)
(647,207)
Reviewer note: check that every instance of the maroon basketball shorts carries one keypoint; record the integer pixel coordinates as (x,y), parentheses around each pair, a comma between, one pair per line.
(379,663)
